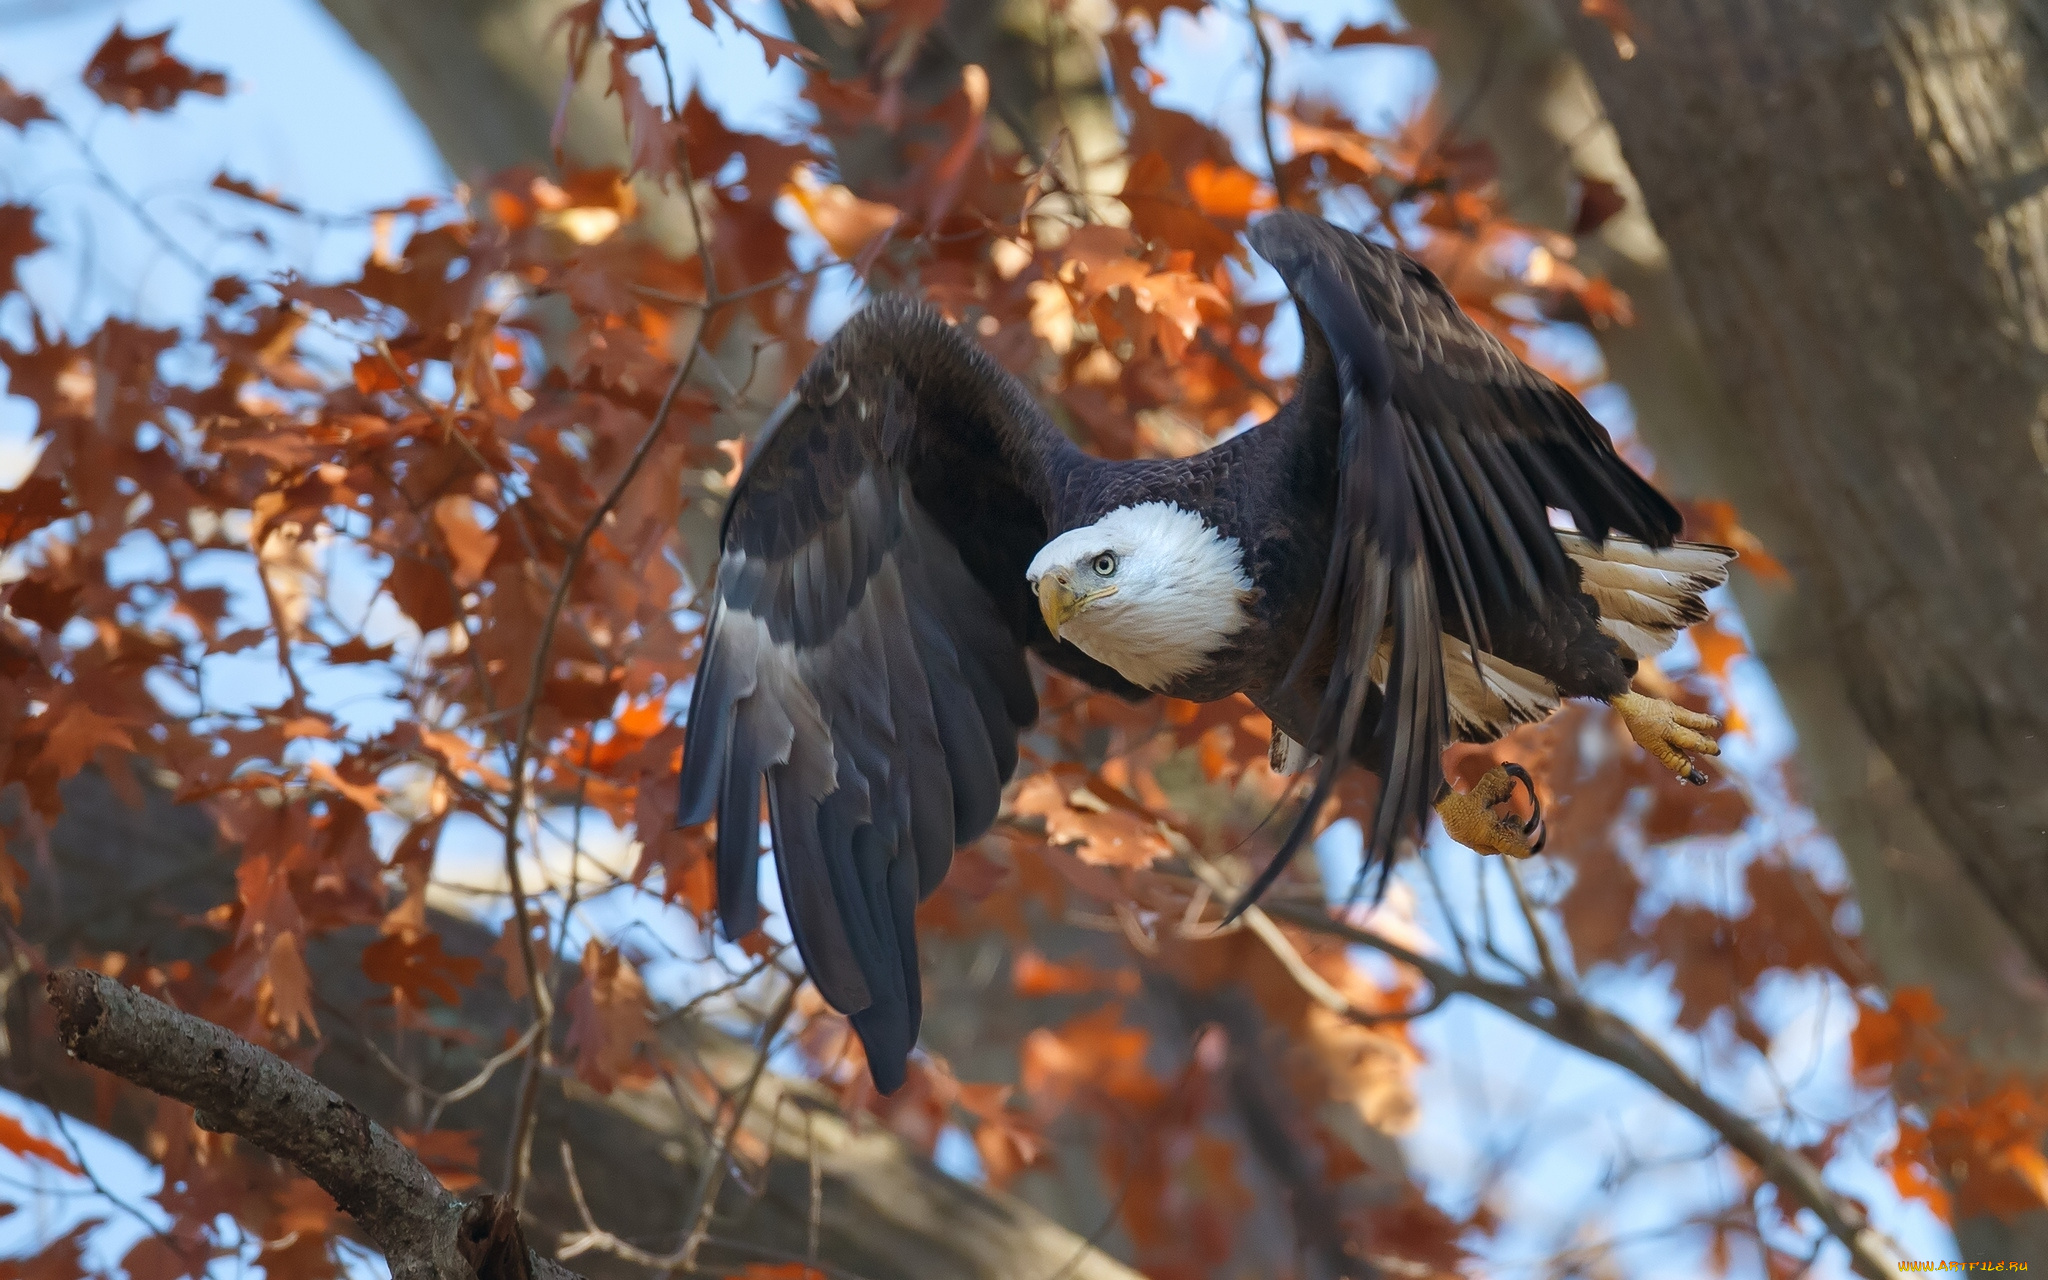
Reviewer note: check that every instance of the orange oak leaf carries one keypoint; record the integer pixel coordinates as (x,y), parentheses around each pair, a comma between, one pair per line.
(609,1020)
(21,1142)
(76,733)
(848,223)
(415,968)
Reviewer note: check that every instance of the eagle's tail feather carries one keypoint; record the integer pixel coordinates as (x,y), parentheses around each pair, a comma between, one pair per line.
(1647,595)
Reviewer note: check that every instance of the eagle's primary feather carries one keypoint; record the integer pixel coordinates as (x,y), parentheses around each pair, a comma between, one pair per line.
(1375,568)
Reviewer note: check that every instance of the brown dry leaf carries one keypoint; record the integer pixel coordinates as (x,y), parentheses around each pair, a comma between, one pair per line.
(1097,1053)
(30,506)
(1379,33)
(285,998)
(470,545)
(76,733)
(1099,832)
(1594,201)
(652,137)
(18,239)
(138,73)
(417,967)
(848,223)
(20,109)
(513,957)
(609,1020)
(367,796)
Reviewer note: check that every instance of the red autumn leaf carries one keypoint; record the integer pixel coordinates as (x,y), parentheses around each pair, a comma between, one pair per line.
(417,967)
(355,649)
(21,1142)
(18,239)
(1594,201)
(1379,33)
(36,599)
(139,73)
(248,191)
(20,109)
(33,504)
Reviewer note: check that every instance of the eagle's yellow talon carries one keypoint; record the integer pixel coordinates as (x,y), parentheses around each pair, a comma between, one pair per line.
(1669,732)
(1471,821)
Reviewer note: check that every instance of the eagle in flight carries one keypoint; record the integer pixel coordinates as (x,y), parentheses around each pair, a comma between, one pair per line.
(1375,567)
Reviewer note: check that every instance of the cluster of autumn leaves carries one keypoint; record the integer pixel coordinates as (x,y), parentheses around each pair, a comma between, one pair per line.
(470,457)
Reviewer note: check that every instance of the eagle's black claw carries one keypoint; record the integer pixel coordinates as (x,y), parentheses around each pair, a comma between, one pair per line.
(1534,830)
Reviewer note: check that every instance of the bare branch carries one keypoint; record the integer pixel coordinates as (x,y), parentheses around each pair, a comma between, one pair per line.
(232,1086)
(1568,1017)
(1251,8)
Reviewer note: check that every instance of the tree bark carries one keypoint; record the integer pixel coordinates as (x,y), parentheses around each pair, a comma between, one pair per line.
(1845,339)
(1509,73)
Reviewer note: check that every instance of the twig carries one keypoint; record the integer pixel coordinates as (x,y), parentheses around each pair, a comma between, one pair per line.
(1251,8)
(520,1155)
(424,1231)
(1571,1019)
(706,1198)
(123,197)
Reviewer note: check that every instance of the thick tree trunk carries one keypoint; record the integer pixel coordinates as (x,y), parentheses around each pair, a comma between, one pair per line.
(1506,66)
(1845,338)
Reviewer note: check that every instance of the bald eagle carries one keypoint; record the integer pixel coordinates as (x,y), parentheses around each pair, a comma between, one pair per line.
(1375,568)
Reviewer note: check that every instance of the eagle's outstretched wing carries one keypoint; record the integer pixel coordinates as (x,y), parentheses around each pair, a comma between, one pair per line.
(865,650)
(1451,449)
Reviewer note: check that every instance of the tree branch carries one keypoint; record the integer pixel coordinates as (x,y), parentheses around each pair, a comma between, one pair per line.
(424,1231)
(1568,1017)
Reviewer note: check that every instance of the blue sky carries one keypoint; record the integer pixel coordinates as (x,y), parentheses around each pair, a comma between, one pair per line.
(310,116)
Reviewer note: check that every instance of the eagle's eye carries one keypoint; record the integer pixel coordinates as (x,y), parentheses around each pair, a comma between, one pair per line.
(1105,565)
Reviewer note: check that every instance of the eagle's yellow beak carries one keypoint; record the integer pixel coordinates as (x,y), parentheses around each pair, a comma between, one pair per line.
(1058,604)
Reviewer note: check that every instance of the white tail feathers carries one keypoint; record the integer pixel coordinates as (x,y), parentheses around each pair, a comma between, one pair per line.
(1480,712)
(1647,595)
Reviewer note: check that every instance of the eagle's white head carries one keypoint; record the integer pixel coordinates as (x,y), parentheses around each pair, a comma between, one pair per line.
(1150,590)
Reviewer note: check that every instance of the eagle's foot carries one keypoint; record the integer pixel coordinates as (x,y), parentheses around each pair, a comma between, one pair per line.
(1470,818)
(1669,732)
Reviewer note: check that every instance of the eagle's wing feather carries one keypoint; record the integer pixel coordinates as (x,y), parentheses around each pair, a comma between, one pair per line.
(1450,449)
(864,655)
